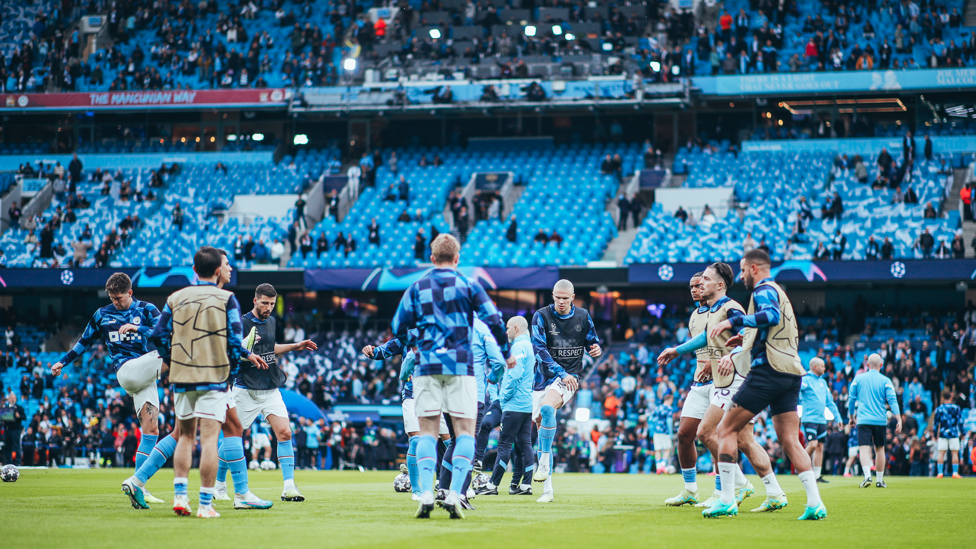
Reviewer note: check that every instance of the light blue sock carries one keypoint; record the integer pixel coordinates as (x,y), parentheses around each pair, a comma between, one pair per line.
(691,482)
(412,470)
(718,482)
(463,455)
(233,456)
(548,430)
(286,457)
(426,462)
(206,496)
(222,461)
(146,445)
(179,487)
(955,468)
(157,458)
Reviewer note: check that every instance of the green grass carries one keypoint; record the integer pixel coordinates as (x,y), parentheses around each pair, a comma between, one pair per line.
(77,509)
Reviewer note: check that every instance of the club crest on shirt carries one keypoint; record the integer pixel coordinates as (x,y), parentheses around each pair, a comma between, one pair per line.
(137,321)
(552,328)
(579,327)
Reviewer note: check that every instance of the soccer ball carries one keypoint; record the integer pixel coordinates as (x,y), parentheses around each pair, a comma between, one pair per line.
(254,465)
(670,470)
(401,483)
(480,481)
(268,465)
(9,473)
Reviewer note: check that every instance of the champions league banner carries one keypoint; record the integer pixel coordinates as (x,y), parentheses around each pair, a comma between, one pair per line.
(391,280)
(173,277)
(932,270)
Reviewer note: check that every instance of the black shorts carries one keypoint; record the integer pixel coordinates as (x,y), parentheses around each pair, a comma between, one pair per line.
(814,431)
(766,387)
(872,435)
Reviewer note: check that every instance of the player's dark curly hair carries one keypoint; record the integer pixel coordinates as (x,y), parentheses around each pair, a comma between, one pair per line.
(725,272)
(118,283)
(265,290)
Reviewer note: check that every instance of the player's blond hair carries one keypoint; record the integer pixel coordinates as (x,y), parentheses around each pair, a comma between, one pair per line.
(445,248)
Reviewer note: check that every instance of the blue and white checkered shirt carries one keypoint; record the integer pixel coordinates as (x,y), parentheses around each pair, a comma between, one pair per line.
(442,306)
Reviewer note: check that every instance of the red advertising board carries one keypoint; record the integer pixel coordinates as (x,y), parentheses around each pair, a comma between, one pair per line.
(147,100)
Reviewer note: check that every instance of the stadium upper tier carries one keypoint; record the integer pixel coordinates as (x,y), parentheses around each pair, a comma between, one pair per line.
(772,185)
(565,190)
(229,46)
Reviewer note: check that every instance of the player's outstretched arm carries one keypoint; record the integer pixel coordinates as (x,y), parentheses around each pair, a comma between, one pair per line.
(162,336)
(282,348)
(541,350)
(484,309)
(87,339)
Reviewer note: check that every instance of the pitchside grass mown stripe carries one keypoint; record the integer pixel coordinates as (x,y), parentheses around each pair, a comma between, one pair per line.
(78,509)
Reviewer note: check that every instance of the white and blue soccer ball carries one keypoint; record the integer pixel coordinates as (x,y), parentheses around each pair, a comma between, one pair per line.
(268,465)
(254,465)
(9,473)
(670,470)
(480,481)
(402,483)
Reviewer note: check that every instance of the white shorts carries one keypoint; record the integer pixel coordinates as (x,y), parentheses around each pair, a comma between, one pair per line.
(722,397)
(557,386)
(852,451)
(260,440)
(456,396)
(662,442)
(252,403)
(696,402)
(410,422)
(138,377)
(202,405)
(944,444)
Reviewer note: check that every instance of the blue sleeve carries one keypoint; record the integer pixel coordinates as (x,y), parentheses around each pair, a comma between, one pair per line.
(150,315)
(542,356)
(162,336)
(693,344)
(591,337)
(767,310)
(407,366)
(405,318)
(511,382)
(495,359)
(388,350)
(484,308)
(892,398)
(235,339)
(734,314)
(852,399)
(88,338)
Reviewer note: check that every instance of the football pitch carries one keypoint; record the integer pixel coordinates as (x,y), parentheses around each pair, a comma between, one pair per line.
(77,509)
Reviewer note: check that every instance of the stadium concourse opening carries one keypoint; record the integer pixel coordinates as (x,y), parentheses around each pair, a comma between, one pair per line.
(669,221)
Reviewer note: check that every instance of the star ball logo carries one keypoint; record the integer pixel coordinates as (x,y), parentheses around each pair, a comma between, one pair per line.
(67,277)
(665,272)
(898,269)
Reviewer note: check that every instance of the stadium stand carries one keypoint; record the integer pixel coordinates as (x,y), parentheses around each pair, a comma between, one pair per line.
(772,184)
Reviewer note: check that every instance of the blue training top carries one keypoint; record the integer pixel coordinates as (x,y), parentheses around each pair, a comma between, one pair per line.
(104,325)
(868,394)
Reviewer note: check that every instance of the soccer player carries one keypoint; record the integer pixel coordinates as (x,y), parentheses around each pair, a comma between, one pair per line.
(135,485)
(696,401)
(516,402)
(491,421)
(662,418)
(561,333)
(260,445)
(948,424)
(441,307)
(125,327)
(815,397)
(869,393)
(256,392)
(769,346)
(488,365)
(199,336)
(411,424)
(715,282)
